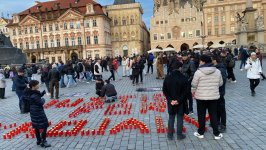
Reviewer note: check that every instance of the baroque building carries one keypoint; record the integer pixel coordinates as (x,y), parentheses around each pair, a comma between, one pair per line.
(180,24)
(129,33)
(62,30)
(3,28)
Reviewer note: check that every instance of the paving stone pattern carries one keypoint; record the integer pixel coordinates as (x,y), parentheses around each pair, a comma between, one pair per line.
(246,124)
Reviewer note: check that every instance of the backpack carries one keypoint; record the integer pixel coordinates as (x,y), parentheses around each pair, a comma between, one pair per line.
(25,107)
(232,63)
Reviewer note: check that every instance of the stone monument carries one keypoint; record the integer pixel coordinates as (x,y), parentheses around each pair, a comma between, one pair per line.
(8,53)
(250,30)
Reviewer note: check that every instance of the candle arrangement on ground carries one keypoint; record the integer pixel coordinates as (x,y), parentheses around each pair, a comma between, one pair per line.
(63,103)
(130,124)
(125,108)
(50,103)
(194,122)
(158,104)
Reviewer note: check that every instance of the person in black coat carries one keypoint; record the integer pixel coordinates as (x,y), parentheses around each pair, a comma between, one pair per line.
(175,89)
(221,111)
(37,114)
(21,84)
(135,71)
(54,78)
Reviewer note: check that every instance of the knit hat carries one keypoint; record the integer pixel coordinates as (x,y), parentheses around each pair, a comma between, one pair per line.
(253,53)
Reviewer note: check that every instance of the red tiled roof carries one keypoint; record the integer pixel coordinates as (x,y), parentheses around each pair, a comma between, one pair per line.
(50,9)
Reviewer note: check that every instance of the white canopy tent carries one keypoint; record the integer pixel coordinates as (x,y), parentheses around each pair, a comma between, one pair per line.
(217,45)
(199,46)
(169,49)
(155,50)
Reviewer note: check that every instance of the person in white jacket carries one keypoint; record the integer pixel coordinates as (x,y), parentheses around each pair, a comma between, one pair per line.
(2,84)
(124,65)
(254,70)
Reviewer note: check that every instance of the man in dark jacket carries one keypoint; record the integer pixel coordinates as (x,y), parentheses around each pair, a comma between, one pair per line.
(21,84)
(54,78)
(109,91)
(150,59)
(175,90)
(142,62)
(188,70)
(62,70)
(230,64)
(221,111)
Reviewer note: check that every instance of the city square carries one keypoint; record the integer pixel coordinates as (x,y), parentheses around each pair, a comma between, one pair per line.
(132,74)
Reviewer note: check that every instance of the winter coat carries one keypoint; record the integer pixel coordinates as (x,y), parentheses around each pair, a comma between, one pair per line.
(98,87)
(150,59)
(254,69)
(21,83)
(70,70)
(175,87)
(2,81)
(128,64)
(44,75)
(54,75)
(108,90)
(97,69)
(224,76)
(34,69)
(37,114)
(135,68)
(207,80)
(188,69)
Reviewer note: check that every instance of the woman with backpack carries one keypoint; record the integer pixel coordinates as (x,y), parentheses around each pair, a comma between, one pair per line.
(37,114)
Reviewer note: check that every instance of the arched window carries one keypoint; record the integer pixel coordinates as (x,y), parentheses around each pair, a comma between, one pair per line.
(132,20)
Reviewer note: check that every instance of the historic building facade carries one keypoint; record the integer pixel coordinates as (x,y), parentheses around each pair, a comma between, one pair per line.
(128,32)
(180,24)
(3,28)
(62,30)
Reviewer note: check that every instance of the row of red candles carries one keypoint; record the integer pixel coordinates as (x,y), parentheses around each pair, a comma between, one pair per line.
(130,124)
(160,127)
(50,103)
(193,121)
(62,103)
(111,109)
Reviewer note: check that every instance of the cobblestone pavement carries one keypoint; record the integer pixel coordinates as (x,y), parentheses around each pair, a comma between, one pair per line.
(246,127)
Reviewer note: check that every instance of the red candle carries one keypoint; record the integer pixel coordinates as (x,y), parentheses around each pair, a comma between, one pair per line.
(4,136)
(111,131)
(162,129)
(92,132)
(8,136)
(146,130)
(114,131)
(141,130)
(15,124)
(32,136)
(158,130)
(4,126)
(88,132)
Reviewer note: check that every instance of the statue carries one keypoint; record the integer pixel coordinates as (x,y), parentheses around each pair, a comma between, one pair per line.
(243,27)
(240,18)
(259,23)
(249,4)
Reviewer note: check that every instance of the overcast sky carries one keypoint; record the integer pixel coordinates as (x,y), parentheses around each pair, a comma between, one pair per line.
(16,6)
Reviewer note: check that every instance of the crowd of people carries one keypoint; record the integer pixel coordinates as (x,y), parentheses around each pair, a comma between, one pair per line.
(202,74)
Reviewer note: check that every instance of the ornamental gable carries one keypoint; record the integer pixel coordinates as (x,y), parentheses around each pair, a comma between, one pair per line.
(70,15)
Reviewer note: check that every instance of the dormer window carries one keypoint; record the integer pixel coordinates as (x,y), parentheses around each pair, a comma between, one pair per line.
(90,9)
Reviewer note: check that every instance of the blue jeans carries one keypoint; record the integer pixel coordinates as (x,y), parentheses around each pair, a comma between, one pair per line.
(19,94)
(70,80)
(13,86)
(88,76)
(243,62)
(62,81)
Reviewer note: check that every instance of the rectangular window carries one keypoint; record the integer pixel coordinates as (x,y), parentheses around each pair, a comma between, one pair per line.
(124,22)
(162,36)
(96,39)
(223,18)
(37,44)
(31,31)
(157,22)
(19,31)
(21,45)
(14,31)
(36,30)
(190,34)
(53,59)
(216,31)
(58,42)
(155,37)
(27,45)
(59,58)
(65,26)
(169,35)
(78,25)
(88,40)
(87,23)
(232,29)
(79,41)
(66,42)
(71,25)
(232,18)
(52,43)
(216,19)
(73,42)
(209,31)
(197,33)
(44,28)
(94,23)
(209,20)
(32,45)
(45,44)
(26,30)
(223,30)
(183,34)
(56,27)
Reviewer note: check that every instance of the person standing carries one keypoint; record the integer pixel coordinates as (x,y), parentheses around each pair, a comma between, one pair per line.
(135,71)
(2,84)
(128,67)
(206,82)
(175,88)
(37,114)
(13,74)
(54,78)
(230,64)
(62,70)
(150,60)
(70,75)
(188,70)
(243,56)
(260,57)
(21,84)
(159,67)
(45,79)
(254,72)
(98,69)
(221,113)
(142,62)
(112,69)
(124,64)
(34,70)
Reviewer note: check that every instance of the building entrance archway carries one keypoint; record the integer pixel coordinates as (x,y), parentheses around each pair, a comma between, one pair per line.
(33,59)
(74,56)
(125,50)
(184,47)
